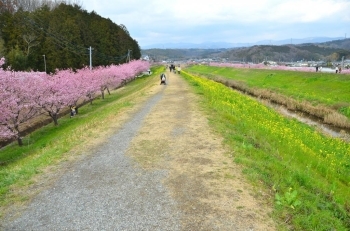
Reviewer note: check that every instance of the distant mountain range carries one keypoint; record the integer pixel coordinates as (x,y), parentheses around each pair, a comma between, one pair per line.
(218,45)
(334,49)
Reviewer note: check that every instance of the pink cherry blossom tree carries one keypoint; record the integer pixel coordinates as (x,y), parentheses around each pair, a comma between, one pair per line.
(55,94)
(90,83)
(75,87)
(24,94)
(17,105)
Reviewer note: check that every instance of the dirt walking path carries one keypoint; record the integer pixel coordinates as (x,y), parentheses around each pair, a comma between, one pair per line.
(164,170)
(208,187)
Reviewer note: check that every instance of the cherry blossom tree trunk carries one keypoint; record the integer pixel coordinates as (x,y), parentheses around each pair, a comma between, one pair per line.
(19,141)
(19,137)
(103,92)
(54,116)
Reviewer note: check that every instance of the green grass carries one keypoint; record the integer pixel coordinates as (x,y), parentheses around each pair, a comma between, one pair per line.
(51,144)
(318,88)
(306,173)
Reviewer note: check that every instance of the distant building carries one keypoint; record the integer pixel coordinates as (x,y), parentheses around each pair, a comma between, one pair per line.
(146,57)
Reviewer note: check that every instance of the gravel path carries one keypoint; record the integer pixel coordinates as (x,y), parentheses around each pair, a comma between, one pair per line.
(105,191)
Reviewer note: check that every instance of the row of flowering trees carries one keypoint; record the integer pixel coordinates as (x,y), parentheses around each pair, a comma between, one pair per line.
(26,94)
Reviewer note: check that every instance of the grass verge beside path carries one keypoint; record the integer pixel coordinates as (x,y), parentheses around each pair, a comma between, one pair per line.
(327,89)
(307,173)
(50,145)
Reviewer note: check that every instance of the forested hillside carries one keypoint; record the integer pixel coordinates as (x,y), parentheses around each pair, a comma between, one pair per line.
(327,52)
(59,37)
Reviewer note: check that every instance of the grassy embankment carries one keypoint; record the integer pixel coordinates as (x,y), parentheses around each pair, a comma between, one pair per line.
(50,145)
(325,95)
(307,173)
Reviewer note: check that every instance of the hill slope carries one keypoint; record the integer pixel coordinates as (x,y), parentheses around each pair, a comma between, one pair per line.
(328,51)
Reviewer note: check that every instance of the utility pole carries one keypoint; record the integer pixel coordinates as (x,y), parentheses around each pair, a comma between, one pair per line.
(44,62)
(90,51)
(128,57)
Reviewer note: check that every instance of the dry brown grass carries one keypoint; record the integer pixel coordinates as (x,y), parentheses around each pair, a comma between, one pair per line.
(337,119)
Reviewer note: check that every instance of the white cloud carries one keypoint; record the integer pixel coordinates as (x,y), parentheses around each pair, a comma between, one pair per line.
(301,11)
(156,21)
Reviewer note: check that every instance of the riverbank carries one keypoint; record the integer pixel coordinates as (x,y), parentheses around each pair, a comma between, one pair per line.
(323,96)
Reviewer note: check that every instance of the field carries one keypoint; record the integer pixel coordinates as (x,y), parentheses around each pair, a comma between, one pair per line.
(307,173)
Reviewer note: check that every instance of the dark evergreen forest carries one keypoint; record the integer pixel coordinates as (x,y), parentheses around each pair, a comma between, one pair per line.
(60,37)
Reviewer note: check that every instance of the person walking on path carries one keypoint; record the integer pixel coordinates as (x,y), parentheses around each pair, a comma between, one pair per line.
(162,79)
(178,69)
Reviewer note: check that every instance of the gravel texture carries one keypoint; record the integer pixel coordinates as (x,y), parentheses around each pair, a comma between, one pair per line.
(105,191)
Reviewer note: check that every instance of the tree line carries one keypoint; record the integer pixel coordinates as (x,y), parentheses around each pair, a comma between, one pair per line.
(25,95)
(58,35)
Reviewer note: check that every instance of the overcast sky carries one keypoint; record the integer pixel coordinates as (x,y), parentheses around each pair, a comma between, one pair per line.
(233,21)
